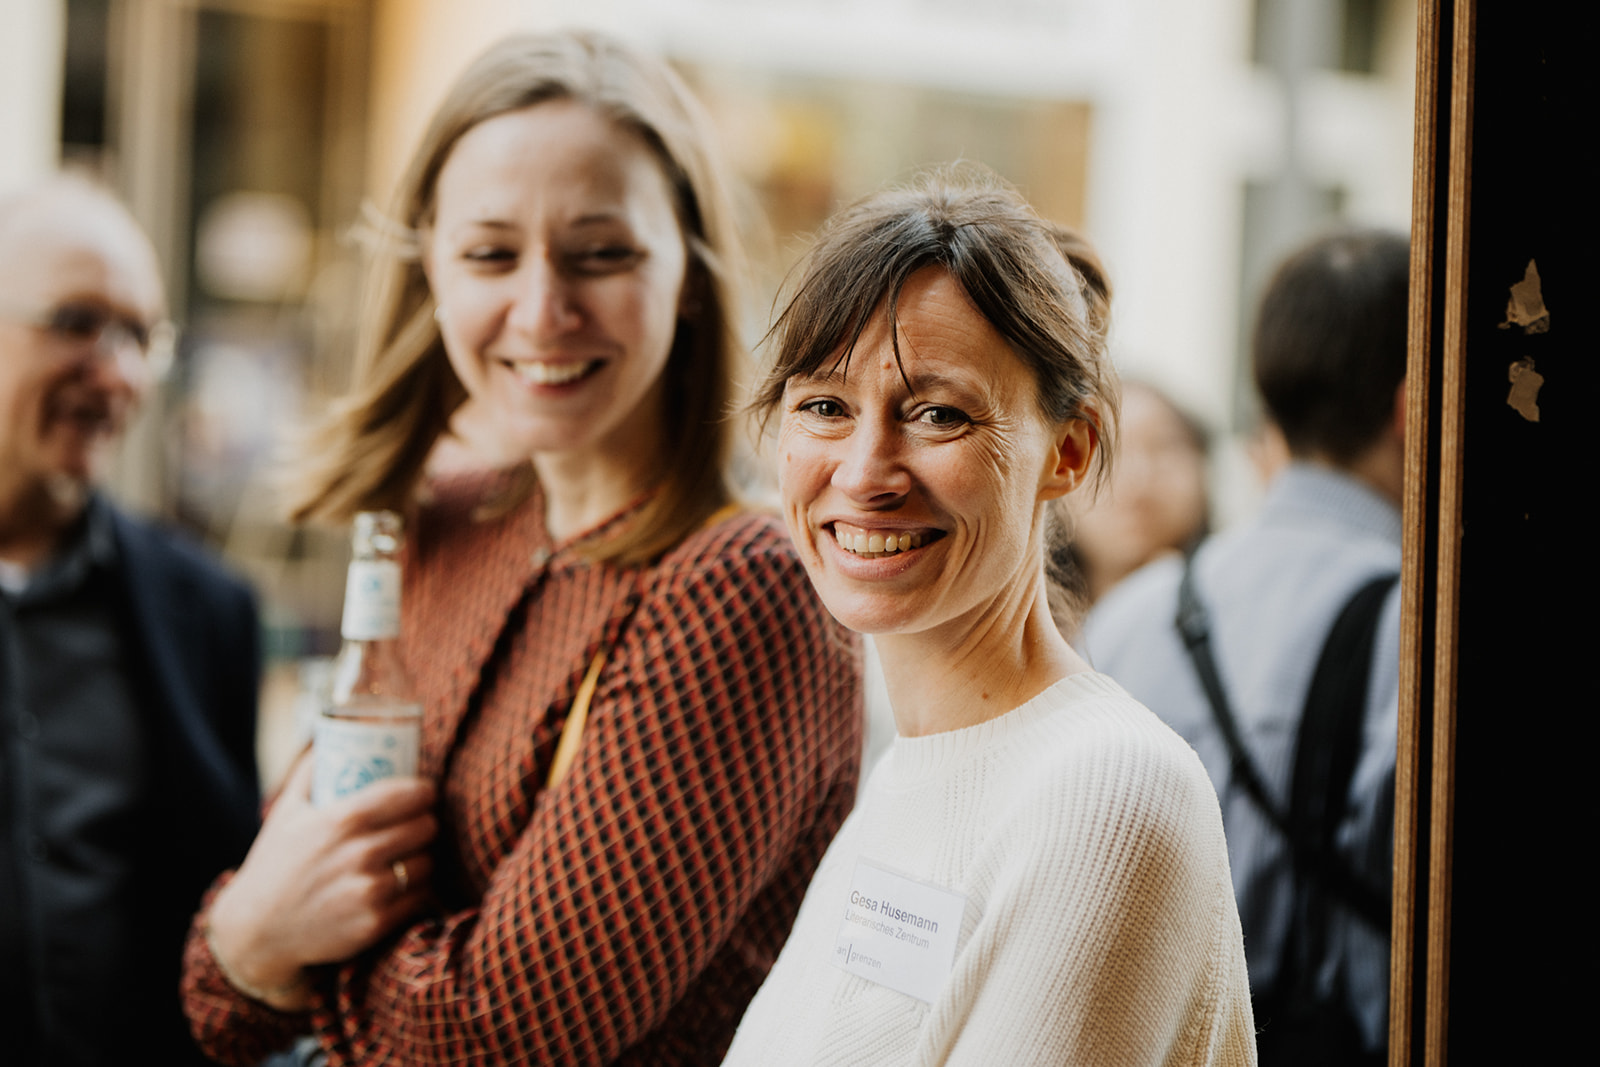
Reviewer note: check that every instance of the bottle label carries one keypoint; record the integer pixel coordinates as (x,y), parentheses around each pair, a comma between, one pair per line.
(351,753)
(371,601)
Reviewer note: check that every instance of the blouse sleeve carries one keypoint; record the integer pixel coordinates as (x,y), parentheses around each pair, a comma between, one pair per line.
(230,1027)
(720,755)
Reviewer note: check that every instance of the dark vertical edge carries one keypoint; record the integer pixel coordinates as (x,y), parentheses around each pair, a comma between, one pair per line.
(1408,945)
(1452,458)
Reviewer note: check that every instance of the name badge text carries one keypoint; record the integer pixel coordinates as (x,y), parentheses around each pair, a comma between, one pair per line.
(899,932)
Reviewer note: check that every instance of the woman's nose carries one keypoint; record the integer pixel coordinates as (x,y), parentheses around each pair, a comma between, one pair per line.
(871,471)
(545,302)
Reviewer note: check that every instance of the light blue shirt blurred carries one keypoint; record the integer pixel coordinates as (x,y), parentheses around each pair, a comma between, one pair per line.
(1273,588)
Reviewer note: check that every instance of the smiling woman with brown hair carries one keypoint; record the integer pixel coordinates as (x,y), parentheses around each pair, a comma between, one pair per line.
(561,276)
(1035,873)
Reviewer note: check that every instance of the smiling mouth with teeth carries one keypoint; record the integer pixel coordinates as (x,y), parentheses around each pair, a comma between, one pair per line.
(545,373)
(877,545)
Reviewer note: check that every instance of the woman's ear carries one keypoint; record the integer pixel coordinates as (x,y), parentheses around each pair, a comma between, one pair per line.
(425,264)
(1071,456)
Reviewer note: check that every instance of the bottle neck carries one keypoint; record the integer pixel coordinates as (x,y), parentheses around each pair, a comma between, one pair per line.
(369,664)
(370,669)
(371,601)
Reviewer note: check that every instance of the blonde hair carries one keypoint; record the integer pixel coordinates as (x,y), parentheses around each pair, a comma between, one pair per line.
(371,450)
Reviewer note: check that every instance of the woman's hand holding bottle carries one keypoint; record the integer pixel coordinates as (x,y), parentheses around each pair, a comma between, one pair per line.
(321,884)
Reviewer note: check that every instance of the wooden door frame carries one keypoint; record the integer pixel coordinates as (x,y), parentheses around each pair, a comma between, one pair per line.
(1430,572)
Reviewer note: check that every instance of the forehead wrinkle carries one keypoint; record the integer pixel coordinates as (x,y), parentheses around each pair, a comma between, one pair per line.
(924,380)
(838,366)
(916,382)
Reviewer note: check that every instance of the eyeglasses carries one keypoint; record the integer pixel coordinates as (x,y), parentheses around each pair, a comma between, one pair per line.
(86,323)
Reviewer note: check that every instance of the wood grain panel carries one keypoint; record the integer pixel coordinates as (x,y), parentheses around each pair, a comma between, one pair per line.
(1452,459)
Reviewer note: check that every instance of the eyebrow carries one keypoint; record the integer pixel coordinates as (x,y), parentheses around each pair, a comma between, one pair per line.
(591,219)
(99,302)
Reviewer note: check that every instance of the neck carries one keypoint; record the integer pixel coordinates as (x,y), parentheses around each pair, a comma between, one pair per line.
(1381,468)
(580,492)
(35,517)
(976,670)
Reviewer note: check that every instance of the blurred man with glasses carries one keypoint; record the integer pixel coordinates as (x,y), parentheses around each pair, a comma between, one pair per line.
(128,659)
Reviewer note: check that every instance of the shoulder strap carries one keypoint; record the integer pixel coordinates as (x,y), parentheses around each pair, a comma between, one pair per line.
(578,714)
(1194,626)
(1329,745)
(1326,750)
(572,730)
(1334,709)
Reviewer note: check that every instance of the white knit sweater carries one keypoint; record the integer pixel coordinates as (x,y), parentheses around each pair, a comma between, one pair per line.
(1099,925)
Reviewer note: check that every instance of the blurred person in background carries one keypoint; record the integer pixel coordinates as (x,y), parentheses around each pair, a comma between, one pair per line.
(1156,502)
(1282,668)
(1267,451)
(564,273)
(128,660)
(1156,499)
(1035,873)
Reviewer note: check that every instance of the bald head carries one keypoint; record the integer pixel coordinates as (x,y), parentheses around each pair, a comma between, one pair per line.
(80,290)
(64,216)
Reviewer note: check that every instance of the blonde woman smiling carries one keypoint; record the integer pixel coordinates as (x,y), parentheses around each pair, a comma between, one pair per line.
(564,283)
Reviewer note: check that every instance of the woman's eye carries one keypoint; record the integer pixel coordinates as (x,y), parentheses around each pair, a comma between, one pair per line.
(825,408)
(935,415)
(489,254)
(605,258)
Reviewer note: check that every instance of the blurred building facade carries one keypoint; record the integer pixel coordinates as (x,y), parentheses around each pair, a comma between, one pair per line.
(1193,140)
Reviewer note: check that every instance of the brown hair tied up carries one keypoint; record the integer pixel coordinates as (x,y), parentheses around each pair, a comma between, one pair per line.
(1040,286)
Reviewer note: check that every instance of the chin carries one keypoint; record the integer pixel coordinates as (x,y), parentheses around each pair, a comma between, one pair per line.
(69,490)
(81,462)
(870,615)
(518,441)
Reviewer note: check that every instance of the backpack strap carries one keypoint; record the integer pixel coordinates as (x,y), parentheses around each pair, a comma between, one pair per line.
(1327,749)
(1328,742)
(1194,626)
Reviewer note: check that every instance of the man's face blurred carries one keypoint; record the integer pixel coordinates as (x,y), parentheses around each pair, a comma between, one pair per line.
(79,289)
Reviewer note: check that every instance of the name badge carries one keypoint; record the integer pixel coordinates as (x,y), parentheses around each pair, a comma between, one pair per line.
(899,932)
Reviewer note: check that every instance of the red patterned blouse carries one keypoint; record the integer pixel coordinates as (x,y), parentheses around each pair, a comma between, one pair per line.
(627,915)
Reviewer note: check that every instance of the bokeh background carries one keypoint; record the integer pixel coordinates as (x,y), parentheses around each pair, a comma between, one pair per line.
(1193,140)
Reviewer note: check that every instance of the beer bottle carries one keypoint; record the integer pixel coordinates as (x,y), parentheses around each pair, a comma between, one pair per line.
(372,729)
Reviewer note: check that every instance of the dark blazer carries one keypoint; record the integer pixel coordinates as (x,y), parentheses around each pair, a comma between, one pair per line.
(193,642)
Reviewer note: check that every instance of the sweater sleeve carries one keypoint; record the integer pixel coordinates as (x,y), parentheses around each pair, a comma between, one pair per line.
(1112,937)
(720,755)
